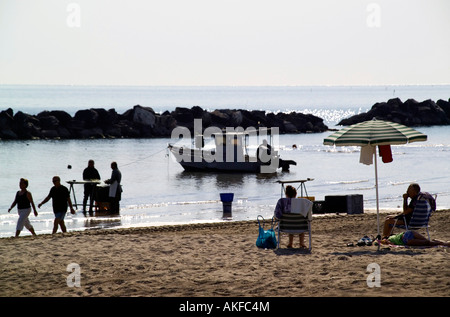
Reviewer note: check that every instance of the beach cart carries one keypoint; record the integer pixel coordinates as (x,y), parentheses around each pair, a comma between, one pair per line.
(100,193)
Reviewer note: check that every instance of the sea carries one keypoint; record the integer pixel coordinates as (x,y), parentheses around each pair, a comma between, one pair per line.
(156,190)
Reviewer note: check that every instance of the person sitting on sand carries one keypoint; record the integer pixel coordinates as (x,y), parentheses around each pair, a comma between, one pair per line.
(412,238)
(284,206)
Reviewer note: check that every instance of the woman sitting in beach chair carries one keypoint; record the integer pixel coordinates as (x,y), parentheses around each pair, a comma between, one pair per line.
(285,207)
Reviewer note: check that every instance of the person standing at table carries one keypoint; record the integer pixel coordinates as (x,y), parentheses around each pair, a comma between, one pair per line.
(115,190)
(90,173)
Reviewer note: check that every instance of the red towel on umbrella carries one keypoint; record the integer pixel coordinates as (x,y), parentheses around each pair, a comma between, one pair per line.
(385,153)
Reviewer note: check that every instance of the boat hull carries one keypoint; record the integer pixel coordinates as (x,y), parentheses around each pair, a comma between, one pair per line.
(196,163)
(243,167)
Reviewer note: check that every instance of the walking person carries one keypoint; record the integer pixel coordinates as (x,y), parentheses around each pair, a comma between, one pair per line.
(24,202)
(60,200)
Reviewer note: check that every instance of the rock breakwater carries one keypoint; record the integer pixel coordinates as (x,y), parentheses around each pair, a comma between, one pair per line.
(410,113)
(143,122)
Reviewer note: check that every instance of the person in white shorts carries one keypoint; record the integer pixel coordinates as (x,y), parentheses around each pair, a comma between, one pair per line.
(24,202)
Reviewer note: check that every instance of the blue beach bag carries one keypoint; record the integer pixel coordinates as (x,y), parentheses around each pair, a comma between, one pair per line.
(266,238)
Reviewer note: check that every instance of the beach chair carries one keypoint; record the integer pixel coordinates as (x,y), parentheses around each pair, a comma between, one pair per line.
(298,221)
(419,219)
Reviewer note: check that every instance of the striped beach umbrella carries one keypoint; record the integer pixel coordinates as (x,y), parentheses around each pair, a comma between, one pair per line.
(373,133)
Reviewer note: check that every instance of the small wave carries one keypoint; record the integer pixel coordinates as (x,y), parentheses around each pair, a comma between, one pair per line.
(421,144)
(347,182)
(9,216)
(180,203)
(362,188)
(7,223)
(291,147)
(197,202)
(342,149)
(392,183)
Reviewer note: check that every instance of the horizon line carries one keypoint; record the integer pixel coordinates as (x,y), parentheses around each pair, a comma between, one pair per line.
(231,86)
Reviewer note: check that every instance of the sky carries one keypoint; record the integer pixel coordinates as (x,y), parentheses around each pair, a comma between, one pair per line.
(225,42)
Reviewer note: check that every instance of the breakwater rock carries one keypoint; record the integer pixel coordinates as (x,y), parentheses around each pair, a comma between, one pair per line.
(410,113)
(143,122)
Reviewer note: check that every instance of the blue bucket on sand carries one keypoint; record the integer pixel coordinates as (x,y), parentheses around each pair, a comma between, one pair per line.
(227,200)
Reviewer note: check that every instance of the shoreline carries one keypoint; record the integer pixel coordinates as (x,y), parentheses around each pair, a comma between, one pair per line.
(221,260)
(207,224)
(101,219)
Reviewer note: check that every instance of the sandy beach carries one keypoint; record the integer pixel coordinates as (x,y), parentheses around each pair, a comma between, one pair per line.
(221,260)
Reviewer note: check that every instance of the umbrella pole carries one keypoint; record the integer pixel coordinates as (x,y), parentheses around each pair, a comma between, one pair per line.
(376,191)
